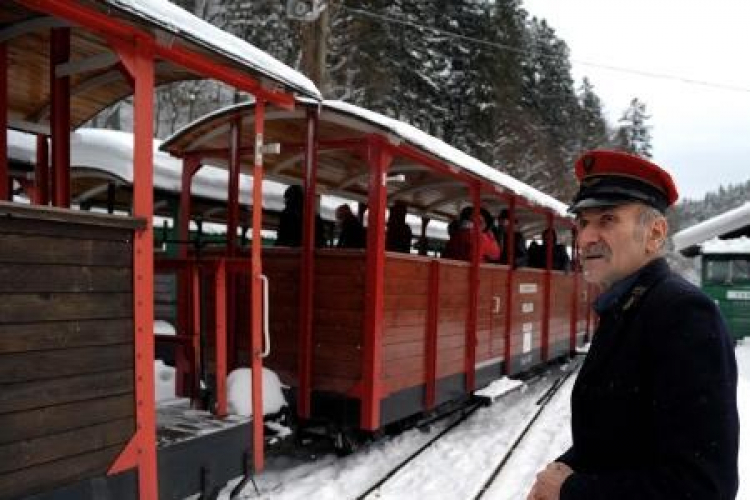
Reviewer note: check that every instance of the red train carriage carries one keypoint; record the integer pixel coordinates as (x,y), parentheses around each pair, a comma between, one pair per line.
(368,337)
(77,412)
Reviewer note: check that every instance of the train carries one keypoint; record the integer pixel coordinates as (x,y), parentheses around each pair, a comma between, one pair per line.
(364,338)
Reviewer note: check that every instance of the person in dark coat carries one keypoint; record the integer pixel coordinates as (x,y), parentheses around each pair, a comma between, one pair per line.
(502,235)
(398,233)
(289,233)
(351,232)
(538,253)
(654,407)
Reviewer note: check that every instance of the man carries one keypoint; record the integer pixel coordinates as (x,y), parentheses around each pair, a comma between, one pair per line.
(654,408)
(351,232)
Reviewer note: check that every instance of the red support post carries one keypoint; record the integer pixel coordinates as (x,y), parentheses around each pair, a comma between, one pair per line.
(41,171)
(4,179)
(307,268)
(195,329)
(472,313)
(576,291)
(379,161)
(511,240)
(233,196)
(431,335)
(60,118)
(256,343)
(233,217)
(190,166)
(220,289)
(546,298)
(141,451)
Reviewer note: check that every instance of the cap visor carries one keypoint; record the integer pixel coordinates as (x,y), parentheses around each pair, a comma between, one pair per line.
(595,203)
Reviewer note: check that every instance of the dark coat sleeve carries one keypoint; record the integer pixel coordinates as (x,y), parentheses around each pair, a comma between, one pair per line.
(694,413)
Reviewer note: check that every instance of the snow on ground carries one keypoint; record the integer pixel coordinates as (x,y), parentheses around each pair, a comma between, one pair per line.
(460,463)
(240,392)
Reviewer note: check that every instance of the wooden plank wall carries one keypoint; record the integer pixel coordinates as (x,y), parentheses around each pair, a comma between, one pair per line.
(528,303)
(338,314)
(66,352)
(452,315)
(282,266)
(561,307)
(406,300)
(491,316)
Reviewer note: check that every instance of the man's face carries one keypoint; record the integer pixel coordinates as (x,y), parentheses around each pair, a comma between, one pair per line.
(612,243)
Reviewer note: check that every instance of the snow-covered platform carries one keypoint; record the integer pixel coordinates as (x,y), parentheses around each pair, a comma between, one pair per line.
(199,452)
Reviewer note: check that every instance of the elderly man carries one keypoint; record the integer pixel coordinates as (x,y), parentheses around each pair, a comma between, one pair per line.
(654,408)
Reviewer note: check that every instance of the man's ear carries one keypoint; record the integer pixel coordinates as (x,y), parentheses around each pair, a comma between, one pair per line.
(657,235)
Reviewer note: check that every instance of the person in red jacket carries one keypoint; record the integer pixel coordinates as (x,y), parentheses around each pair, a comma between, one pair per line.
(460,244)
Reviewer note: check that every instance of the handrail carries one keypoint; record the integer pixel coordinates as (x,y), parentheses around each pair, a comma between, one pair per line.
(266,307)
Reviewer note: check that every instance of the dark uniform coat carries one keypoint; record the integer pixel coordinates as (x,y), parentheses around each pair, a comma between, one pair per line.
(655,403)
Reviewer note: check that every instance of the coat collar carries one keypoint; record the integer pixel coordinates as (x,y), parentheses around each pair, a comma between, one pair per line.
(633,286)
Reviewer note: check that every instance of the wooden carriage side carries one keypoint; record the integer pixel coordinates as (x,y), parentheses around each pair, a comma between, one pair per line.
(66,345)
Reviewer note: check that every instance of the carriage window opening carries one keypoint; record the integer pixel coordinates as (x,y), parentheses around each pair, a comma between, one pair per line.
(741,270)
(717,271)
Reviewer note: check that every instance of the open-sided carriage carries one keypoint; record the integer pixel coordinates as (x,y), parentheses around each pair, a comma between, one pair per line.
(77,409)
(363,337)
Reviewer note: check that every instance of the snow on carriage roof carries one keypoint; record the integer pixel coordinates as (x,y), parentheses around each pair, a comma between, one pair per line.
(451,155)
(739,245)
(111,151)
(173,18)
(727,222)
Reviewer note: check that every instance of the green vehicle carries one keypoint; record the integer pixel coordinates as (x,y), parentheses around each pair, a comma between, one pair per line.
(726,279)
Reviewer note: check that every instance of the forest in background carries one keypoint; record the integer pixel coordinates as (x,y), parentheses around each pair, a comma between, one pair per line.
(483,76)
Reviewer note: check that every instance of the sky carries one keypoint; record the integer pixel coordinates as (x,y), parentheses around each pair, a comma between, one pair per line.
(701,134)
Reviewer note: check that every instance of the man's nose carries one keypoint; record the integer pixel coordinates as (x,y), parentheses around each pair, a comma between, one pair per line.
(586,236)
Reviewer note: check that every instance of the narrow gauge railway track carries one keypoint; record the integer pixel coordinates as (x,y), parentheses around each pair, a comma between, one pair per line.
(467,412)
(541,402)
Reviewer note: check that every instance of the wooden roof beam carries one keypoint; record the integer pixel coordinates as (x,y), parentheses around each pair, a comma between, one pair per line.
(33,25)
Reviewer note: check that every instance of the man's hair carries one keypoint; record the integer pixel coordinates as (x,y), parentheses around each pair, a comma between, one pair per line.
(646,217)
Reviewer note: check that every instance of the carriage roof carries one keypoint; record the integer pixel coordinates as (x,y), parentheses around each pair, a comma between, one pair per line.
(187,48)
(342,171)
(730,224)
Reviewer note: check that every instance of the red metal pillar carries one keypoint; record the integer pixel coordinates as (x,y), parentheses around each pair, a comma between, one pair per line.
(307,269)
(472,313)
(256,343)
(41,171)
(549,242)
(190,166)
(60,118)
(431,335)
(379,161)
(141,451)
(234,187)
(195,330)
(4,179)
(233,217)
(220,289)
(574,306)
(511,240)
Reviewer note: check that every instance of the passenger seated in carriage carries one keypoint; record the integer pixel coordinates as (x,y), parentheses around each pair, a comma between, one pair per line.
(538,253)
(289,233)
(398,234)
(459,244)
(351,232)
(520,257)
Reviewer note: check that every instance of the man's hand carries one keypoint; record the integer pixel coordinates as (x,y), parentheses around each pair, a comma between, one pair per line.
(549,481)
